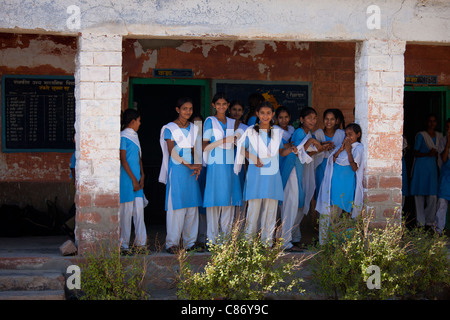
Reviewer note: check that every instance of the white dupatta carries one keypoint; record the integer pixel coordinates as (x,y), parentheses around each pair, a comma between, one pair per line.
(431,145)
(132,136)
(181,140)
(287,134)
(263,151)
(219,134)
(323,199)
(308,180)
(338,138)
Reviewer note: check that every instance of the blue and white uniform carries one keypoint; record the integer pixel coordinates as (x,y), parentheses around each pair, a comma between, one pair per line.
(263,186)
(320,159)
(292,169)
(424,181)
(131,202)
(183,196)
(341,187)
(222,188)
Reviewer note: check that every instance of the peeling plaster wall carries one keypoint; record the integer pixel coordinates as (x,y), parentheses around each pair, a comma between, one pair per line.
(32,178)
(428,60)
(328,66)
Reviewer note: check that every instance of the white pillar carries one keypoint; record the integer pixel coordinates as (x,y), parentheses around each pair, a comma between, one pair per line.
(379,81)
(98,94)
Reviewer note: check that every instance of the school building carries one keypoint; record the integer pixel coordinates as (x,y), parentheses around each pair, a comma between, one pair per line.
(385,65)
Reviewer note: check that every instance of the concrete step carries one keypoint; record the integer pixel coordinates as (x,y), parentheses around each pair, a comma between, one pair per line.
(31,280)
(33,295)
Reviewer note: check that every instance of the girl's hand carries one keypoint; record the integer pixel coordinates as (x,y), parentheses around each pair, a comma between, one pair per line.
(432,153)
(328,145)
(294,149)
(259,163)
(136,185)
(196,172)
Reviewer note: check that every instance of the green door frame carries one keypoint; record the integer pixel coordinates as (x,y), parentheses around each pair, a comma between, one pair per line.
(445,95)
(204,84)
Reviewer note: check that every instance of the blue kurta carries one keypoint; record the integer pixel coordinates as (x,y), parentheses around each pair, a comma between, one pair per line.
(343,184)
(424,179)
(290,162)
(265,182)
(223,187)
(126,184)
(320,170)
(251,121)
(185,189)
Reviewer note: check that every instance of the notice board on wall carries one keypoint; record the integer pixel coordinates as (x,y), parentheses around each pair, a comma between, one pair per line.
(38,113)
(293,95)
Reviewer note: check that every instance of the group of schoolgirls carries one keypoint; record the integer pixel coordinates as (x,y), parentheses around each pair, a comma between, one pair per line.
(233,171)
(430,176)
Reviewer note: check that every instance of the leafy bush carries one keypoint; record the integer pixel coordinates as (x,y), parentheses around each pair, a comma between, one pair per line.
(411,262)
(239,268)
(107,275)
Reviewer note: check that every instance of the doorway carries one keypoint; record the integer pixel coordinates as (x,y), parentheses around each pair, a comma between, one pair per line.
(155,99)
(419,102)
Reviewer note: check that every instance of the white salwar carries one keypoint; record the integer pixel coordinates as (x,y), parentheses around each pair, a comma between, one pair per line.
(219,220)
(291,214)
(133,210)
(181,223)
(261,215)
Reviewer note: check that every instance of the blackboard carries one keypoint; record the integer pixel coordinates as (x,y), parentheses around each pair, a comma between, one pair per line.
(38,113)
(293,95)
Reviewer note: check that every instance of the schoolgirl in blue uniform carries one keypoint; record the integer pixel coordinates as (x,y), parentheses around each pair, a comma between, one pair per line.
(262,145)
(131,181)
(341,188)
(424,181)
(331,136)
(297,174)
(444,181)
(222,189)
(181,146)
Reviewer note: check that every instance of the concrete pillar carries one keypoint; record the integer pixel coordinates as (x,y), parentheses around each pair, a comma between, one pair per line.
(379,81)
(98,94)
